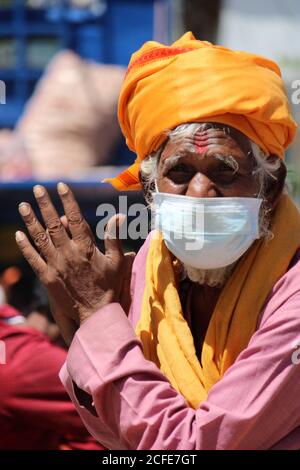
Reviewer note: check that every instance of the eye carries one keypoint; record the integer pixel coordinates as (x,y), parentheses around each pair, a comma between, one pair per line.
(180,173)
(224,174)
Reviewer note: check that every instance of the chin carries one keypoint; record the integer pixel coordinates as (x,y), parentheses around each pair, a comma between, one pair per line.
(209,277)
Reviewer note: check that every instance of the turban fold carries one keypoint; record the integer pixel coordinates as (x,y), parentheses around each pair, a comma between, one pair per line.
(196,81)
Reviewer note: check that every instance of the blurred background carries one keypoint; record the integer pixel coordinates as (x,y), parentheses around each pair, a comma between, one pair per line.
(63,62)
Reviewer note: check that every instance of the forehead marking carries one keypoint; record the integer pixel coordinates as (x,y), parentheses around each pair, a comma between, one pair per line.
(200,143)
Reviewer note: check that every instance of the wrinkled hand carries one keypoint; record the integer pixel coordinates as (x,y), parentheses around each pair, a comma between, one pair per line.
(79,278)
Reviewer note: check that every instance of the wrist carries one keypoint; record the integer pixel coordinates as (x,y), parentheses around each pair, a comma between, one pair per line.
(86,312)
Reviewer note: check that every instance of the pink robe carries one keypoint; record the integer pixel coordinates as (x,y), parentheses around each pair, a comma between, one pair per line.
(256,405)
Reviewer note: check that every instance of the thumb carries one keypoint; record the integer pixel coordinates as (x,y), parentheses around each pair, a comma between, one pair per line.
(112,242)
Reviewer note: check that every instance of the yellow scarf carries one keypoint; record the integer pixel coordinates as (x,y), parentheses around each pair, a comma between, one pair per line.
(164,332)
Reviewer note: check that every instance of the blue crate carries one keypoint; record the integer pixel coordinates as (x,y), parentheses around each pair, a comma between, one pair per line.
(110,37)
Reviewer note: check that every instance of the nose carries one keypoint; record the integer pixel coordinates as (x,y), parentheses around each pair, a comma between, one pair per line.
(201,186)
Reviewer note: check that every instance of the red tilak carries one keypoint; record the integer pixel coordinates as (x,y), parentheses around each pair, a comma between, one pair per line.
(201,143)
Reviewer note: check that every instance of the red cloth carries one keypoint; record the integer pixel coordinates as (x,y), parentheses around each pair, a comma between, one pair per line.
(7,311)
(35,410)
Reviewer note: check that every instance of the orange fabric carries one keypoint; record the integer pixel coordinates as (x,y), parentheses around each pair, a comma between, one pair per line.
(196,81)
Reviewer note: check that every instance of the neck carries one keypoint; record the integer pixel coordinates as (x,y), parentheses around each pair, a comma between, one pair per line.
(204,299)
(202,305)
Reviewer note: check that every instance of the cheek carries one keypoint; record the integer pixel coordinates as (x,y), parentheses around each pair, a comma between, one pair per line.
(251,188)
(167,186)
(241,189)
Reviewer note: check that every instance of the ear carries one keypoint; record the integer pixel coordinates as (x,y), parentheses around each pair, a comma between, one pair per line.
(275,185)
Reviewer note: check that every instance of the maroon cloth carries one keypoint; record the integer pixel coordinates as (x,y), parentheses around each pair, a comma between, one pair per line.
(35,411)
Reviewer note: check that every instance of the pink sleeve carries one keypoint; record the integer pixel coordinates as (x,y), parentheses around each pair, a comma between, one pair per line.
(254,406)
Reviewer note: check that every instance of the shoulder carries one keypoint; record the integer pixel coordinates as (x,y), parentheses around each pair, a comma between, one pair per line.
(284,298)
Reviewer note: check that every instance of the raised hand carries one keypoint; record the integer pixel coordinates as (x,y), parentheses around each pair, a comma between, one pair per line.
(79,278)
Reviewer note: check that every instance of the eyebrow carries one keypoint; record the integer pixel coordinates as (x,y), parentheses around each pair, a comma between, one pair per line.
(229,160)
(172,160)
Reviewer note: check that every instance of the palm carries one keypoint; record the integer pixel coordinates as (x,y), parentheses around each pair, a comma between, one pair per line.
(79,277)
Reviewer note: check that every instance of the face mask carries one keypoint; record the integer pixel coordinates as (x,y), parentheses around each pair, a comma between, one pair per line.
(207,233)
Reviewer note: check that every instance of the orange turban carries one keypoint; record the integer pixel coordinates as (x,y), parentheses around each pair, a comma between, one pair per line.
(196,81)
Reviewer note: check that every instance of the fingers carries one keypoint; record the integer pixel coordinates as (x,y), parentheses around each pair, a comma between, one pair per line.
(112,243)
(52,221)
(37,232)
(76,223)
(64,221)
(32,256)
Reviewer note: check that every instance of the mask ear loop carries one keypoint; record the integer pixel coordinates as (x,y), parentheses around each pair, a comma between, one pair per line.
(155,184)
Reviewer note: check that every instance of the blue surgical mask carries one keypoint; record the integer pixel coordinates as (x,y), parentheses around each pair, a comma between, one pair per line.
(207,233)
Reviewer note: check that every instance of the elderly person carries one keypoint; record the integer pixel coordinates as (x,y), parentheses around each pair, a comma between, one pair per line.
(200,351)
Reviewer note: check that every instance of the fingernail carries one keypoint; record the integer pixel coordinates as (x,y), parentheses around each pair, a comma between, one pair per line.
(62,188)
(38,190)
(19,236)
(130,253)
(24,208)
